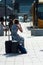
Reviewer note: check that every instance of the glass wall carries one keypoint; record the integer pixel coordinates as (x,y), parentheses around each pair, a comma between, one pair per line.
(5,7)
(24,5)
(40,10)
(8,7)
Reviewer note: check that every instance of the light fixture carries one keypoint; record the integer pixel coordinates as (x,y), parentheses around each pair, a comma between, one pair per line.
(0,0)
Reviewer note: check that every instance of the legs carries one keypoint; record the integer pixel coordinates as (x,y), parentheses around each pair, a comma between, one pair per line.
(21,41)
(22,49)
(21,44)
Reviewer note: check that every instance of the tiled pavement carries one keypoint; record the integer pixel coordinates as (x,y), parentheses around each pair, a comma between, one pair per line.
(33,45)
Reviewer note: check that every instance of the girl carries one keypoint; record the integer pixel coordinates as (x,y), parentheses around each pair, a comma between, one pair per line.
(15,36)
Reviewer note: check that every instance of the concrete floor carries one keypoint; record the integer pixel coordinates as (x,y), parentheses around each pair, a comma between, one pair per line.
(33,45)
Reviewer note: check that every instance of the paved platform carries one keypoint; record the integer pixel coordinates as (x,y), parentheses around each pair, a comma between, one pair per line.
(33,45)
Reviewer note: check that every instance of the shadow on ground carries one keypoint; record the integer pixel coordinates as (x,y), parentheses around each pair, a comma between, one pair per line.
(12,54)
(41,50)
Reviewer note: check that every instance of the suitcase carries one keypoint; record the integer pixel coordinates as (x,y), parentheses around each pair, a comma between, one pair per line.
(11,46)
(14,47)
(8,45)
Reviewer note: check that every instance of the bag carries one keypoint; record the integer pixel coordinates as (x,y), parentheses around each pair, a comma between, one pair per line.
(8,46)
(14,47)
(11,46)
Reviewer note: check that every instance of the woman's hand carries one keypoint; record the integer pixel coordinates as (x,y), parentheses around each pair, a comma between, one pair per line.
(19,27)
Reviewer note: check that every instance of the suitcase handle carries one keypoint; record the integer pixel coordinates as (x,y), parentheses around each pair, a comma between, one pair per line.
(8,34)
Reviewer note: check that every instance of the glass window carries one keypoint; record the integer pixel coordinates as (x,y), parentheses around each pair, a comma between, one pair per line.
(6,7)
(40,11)
(40,8)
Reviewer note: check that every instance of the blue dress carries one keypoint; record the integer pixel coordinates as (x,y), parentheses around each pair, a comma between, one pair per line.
(15,36)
